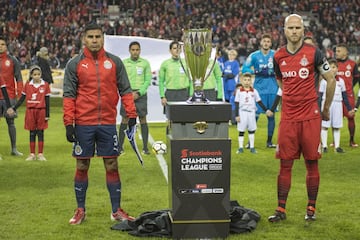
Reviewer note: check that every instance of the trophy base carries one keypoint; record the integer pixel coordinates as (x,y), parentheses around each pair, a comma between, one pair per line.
(198,97)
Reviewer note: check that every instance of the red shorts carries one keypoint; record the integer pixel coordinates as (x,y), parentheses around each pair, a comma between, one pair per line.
(35,119)
(296,138)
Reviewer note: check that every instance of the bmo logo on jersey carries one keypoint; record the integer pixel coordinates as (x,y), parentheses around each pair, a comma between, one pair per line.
(344,74)
(289,74)
(303,73)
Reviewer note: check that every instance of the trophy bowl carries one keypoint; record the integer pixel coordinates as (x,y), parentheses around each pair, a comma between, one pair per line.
(197,49)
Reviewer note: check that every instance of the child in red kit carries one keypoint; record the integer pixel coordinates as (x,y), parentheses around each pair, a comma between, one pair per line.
(37,95)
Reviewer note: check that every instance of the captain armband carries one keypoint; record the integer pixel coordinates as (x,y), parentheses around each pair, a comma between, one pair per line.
(324,68)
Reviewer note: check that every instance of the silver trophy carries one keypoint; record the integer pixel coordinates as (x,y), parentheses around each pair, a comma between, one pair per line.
(197,49)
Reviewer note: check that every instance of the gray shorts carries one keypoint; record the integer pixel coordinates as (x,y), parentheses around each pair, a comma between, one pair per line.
(141,107)
(210,94)
(177,95)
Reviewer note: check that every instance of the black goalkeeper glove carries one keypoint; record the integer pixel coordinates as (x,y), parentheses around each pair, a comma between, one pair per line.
(132,122)
(70,133)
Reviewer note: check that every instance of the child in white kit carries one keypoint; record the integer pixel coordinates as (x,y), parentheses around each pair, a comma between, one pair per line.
(336,109)
(245,107)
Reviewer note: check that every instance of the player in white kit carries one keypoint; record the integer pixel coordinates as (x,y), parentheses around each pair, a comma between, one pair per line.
(336,109)
(245,108)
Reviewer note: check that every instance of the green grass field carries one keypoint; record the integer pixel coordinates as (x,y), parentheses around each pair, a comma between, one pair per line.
(37,198)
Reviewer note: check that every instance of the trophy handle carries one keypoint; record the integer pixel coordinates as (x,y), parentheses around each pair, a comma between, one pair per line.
(182,64)
(213,63)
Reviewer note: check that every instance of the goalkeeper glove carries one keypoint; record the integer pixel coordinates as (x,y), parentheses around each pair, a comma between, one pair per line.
(70,133)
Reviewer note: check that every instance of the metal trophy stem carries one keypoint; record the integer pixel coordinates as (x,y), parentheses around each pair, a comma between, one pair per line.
(197,49)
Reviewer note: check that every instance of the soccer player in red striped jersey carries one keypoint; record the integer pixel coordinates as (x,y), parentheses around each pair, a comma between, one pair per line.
(296,65)
(348,70)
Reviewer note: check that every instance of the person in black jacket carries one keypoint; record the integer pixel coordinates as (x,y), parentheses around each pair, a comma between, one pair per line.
(43,62)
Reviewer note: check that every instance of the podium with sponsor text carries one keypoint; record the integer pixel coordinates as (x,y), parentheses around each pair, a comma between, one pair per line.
(199,151)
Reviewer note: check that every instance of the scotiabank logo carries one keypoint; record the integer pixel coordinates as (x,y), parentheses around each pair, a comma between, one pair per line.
(189,153)
(184,153)
(202,153)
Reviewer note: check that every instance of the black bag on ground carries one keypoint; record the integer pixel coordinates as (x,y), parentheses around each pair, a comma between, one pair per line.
(148,224)
(158,224)
(242,219)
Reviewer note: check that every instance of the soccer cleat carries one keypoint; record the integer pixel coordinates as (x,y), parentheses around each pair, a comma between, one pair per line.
(310,214)
(121,215)
(121,152)
(31,157)
(253,150)
(270,145)
(240,150)
(41,157)
(146,152)
(339,150)
(354,145)
(15,152)
(247,146)
(332,145)
(78,217)
(325,150)
(278,216)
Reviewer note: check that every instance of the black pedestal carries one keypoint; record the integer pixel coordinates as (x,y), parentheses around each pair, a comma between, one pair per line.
(199,171)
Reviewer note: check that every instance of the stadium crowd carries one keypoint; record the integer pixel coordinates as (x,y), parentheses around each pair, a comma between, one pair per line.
(57,25)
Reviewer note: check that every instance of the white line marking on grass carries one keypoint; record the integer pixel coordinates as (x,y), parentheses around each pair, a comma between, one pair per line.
(161,160)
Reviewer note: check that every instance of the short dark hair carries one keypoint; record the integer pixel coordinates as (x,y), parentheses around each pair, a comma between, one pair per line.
(134,43)
(266,35)
(92,26)
(173,43)
(342,45)
(247,74)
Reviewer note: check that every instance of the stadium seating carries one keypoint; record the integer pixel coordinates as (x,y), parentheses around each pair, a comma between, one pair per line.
(236,24)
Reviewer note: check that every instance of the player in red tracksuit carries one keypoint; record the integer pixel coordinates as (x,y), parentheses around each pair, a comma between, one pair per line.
(295,67)
(37,95)
(348,70)
(11,73)
(93,82)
